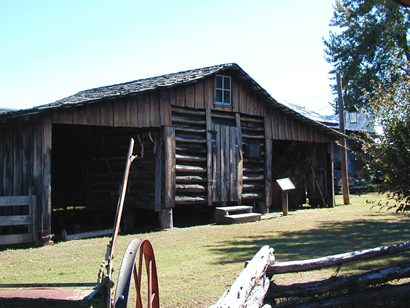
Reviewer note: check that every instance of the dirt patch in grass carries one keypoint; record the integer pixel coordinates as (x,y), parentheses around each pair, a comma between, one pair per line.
(196,264)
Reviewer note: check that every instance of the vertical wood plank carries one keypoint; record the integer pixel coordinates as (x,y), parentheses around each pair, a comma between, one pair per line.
(172,96)
(141,110)
(131,111)
(242,94)
(169,157)
(209,92)
(268,174)
(218,164)
(209,165)
(106,114)
(155,103)
(158,172)
(119,113)
(180,96)
(165,107)
(190,96)
(235,95)
(200,95)
(239,157)
(46,172)
(330,175)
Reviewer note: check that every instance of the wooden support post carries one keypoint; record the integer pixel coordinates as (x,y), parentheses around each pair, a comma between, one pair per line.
(285,202)
(166,219)
(343,152)
(45,191)
(268,174)
(158,173)
(239,180)
(334,260)
(331,177)
(209,156)
(169,185)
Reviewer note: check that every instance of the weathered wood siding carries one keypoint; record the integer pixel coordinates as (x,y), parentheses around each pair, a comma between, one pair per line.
(278,126)
(25,161)
(148,109)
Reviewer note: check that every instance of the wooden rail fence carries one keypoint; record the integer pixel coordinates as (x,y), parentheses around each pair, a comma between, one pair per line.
(254,288)
(18,219)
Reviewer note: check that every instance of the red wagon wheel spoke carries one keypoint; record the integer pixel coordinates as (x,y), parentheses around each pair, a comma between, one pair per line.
(129,267)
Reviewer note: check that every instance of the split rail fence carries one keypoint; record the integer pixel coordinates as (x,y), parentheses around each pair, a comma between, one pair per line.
(254,286)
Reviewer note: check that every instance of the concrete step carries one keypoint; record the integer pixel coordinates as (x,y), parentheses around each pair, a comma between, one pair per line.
(221,212)
(235,214)
(239,218)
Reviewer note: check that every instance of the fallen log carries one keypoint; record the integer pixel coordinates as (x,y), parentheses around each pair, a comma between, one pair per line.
(253,276)
(311,264)
(353,282)
(383,296)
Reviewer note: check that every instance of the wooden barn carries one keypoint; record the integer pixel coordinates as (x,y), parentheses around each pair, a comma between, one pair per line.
(210,136)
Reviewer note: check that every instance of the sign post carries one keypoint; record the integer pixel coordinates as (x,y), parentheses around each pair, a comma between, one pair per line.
(286,185)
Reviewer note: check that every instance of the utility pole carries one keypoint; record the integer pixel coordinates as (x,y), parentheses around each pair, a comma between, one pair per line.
(343,151)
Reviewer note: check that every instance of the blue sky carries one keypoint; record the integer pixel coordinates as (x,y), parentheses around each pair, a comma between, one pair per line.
(52,49)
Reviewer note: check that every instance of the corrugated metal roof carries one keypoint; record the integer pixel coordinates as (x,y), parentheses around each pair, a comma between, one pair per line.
(361,123)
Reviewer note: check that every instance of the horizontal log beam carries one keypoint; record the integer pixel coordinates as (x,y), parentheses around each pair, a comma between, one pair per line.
(190,140)
(311,264)
(190,179)
(190,188)
(193,169)
(382,296)
(353,282)
(180,157)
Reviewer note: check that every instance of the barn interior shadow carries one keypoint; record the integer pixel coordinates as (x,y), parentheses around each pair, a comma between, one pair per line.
(327,239)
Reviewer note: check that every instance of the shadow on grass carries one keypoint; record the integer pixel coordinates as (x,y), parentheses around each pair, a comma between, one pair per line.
(327,239)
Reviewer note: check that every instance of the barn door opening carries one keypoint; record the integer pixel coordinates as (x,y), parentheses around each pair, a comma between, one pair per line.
(225,163)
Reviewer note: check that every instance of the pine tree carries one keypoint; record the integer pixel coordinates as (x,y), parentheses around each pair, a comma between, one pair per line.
(369,45)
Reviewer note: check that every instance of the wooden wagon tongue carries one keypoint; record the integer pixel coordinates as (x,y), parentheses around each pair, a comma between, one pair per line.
(56,292)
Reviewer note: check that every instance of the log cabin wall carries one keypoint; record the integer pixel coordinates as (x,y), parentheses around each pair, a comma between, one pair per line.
(259,122)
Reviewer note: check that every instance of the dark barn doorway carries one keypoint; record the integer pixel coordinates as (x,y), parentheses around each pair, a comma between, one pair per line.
(308,165)
(87,169)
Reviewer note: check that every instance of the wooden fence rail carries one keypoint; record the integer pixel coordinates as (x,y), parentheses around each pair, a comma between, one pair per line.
(13,204)
(250,288)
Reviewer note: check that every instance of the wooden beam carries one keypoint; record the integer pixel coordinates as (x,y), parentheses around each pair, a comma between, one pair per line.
(158,173)
(328,261)
(353,282)
(15,200)
(82,235)
(268,174)
(343,151)
(240,158)
(210,179)
(382,296)
(238,294)
(170,166)
(165,215)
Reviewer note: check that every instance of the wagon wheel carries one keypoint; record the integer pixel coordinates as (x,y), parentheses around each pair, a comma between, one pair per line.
(129,268)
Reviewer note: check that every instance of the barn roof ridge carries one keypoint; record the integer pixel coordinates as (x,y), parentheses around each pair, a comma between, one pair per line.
(161,81)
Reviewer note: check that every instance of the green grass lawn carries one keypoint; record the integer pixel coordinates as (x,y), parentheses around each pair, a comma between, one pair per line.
(196,264)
